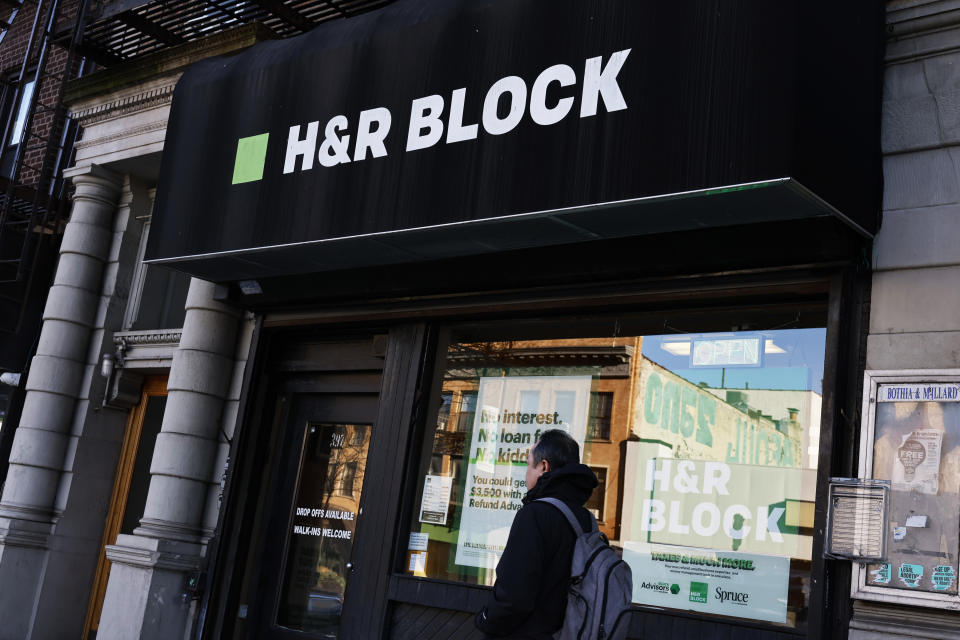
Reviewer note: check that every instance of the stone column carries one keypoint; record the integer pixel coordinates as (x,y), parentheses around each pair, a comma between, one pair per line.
(147,578)
(29,504)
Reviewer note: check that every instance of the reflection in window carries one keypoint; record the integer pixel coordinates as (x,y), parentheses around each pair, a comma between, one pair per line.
(705,446)
(349,475)
(468,407)
(601,409)
(595,503)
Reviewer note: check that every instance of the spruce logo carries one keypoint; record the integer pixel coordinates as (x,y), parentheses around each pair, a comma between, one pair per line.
(251,156)
(698,592)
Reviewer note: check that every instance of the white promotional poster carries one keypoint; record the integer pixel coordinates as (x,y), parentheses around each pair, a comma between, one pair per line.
(727,583)
(511,414)
(917,465)
(436,498)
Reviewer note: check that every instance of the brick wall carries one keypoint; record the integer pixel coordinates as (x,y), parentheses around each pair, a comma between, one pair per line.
(12,52)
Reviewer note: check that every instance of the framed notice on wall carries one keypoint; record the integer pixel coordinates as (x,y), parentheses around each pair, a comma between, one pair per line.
(911,437)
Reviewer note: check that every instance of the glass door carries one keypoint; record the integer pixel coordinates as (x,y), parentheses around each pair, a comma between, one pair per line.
(322,528)
(307,558)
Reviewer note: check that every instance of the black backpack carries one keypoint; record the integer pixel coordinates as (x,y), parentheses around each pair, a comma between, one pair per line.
(601,586)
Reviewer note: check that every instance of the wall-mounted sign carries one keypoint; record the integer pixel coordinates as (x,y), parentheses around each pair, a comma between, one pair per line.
(919,392)
(911,440)
(556,118)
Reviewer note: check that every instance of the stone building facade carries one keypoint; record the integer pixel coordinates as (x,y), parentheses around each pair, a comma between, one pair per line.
(70,441)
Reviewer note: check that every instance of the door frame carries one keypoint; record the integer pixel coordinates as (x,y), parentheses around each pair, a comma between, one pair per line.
(273,373)
(153,386)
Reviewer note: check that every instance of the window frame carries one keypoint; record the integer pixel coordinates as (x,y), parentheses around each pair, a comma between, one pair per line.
(402,585)
(608,417)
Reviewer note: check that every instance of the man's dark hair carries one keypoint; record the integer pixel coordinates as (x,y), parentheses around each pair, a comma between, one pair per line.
(557,448)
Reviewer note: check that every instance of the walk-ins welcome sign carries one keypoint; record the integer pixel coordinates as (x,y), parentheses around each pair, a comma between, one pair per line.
(425,114)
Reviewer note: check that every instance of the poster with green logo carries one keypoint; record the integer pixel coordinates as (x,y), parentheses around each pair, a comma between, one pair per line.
(727,583)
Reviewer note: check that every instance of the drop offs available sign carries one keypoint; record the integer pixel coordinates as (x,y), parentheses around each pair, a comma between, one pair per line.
(511,414)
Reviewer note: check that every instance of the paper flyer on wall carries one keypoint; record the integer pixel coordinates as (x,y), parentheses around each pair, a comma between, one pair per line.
(436,498)
(511,414)
(727,583)
(917,465)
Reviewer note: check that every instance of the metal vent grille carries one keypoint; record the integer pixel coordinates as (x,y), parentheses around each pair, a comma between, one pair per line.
(121,30)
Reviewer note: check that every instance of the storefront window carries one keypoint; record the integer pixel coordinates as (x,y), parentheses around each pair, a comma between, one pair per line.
(705,446)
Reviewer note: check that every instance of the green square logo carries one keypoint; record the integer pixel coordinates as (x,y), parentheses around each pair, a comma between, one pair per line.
(698,592)
(251,156)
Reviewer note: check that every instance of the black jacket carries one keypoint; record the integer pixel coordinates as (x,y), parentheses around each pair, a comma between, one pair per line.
(530,595)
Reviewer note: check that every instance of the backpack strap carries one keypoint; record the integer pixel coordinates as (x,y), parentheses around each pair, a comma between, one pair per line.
(572,519)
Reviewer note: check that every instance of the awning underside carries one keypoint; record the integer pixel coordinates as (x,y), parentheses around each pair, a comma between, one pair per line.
(768,201)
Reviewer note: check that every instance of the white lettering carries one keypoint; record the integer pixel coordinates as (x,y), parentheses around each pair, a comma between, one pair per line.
(456,130)
(425,114)
(651,518)
(662,474)
(303,148)
(699,511)
(517,90)
(539,111)
(675,526)
(773,527)
(372,139)
(715,478)
(684,481)
(736,529)
(333,149)
(602,82)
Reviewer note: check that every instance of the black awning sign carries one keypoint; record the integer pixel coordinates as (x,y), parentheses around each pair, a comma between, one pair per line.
(505,104)
(423,115)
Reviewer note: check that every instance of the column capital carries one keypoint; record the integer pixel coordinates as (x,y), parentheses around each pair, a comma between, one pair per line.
(96,183)
(93,172)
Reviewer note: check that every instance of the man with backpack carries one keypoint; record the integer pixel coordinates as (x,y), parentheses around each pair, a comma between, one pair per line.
(530,596)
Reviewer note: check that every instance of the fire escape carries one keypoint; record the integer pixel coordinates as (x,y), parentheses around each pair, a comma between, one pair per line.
(36,145)
(67,39)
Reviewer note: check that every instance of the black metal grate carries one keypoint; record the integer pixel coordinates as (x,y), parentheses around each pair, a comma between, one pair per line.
(121,30)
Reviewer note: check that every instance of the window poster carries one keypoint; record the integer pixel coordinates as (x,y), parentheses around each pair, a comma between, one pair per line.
(436,498)
(717,505)
(512,412)
(708,581)
(917,465)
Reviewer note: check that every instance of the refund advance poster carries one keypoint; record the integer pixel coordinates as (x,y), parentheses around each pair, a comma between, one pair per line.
(727,583)
(511,414)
